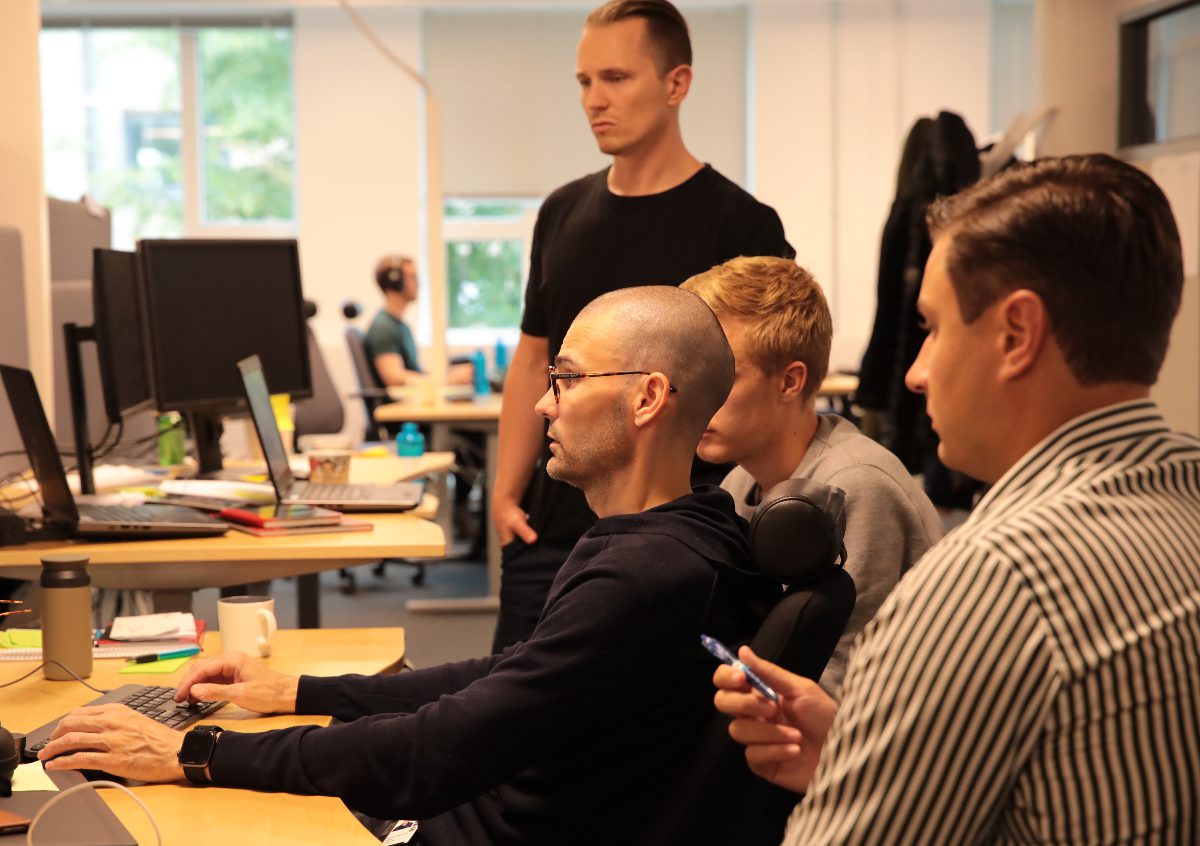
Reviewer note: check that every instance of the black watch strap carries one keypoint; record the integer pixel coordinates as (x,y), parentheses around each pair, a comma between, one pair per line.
(196,752)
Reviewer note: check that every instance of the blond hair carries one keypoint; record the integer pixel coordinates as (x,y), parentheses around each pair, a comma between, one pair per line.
(787,317)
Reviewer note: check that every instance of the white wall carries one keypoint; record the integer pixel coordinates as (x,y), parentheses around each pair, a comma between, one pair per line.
(358,148)
(837,85)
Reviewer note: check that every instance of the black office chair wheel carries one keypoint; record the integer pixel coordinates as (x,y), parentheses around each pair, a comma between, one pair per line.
(348,585)
(418,578)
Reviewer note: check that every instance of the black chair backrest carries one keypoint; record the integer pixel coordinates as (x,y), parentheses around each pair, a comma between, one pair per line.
(369,388)
(322,413)
(796,537)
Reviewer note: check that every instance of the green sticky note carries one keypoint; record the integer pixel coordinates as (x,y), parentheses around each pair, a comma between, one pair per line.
(21,639)
(167,665)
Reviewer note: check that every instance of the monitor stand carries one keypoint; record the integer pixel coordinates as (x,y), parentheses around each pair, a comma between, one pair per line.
(206,434)
(75,335)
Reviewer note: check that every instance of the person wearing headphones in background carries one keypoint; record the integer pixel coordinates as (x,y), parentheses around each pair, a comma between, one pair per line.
(391,350)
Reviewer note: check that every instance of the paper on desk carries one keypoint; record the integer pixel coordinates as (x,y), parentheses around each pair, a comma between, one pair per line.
(30,777)
(173,625)
(220,489)
(167,665)
(21,639)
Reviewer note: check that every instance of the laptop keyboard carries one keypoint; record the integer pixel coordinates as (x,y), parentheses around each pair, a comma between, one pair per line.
(142,514)
(157,703)
(335,493)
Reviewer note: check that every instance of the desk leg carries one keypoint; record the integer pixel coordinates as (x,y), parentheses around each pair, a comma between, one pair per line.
(491,602)
(308,601)
(172,600)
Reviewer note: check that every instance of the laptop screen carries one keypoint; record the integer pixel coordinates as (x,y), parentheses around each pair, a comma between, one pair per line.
(58,506)
(258,397)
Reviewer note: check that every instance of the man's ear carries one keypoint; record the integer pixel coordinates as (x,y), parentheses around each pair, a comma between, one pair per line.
(679,82)
(651,399)
(795,377)
(1025,327)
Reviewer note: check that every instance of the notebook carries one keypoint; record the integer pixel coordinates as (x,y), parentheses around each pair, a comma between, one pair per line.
(349,497)
(59,509)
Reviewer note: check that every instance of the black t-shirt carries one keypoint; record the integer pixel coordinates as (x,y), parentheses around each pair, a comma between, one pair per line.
(589,241)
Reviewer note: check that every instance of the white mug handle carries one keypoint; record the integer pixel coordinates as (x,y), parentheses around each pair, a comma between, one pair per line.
(266,621)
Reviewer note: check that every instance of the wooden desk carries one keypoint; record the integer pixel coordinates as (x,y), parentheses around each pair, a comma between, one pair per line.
(838,386)
(174,568)
(482,414)
(187,814)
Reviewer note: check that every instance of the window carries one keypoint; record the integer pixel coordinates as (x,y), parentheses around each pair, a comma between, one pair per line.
(179,130)
(487,262)
(111,118)
(1160,74)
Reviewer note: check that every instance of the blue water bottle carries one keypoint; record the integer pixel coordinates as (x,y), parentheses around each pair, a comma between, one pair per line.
(501,360)
(481,380)
(410,443)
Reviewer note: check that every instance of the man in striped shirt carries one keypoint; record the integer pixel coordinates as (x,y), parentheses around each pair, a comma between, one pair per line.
(1036,677)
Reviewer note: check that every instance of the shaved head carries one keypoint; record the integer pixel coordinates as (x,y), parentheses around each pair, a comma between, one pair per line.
(666,329)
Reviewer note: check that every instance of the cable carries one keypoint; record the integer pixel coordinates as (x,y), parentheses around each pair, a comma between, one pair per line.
(147,438)
(383,48)
(61,667)
(95,785)
(103,450)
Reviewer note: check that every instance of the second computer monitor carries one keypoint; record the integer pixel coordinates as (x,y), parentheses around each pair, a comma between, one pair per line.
(211,303)
(120,345)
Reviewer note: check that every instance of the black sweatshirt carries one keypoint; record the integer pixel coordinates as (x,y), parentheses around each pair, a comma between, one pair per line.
(565,738)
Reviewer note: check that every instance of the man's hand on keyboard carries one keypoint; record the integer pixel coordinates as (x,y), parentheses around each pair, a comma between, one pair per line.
(117,740)
(243,680)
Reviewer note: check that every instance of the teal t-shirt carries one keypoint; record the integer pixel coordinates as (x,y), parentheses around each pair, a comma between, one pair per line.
(389,335)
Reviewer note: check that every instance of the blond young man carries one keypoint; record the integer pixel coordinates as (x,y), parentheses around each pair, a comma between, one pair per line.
(780,329)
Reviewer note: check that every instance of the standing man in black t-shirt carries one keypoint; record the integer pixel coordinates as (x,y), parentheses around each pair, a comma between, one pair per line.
(657,216)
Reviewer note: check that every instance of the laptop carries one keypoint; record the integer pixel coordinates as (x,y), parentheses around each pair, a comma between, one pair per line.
(59,509)
(401,496)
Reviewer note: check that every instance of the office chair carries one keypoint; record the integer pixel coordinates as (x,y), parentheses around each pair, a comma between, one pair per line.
(369,390)
(322,413)
(796,538)
(373,395)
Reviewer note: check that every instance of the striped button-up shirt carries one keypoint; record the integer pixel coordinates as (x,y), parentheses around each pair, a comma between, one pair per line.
(1036,677)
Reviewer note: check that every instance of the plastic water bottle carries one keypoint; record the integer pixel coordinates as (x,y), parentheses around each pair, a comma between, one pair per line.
(501,359)
(171,439)
(66,616)
(481,380)
(410,443)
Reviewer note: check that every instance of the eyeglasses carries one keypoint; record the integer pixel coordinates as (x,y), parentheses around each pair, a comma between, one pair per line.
(555,376)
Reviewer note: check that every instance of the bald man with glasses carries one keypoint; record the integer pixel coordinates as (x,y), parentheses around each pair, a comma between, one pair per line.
(598,707)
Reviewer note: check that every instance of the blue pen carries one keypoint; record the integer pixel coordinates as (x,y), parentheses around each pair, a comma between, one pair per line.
(163,656)
(723,655)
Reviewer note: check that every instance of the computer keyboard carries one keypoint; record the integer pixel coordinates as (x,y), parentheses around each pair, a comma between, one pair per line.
(141,513)
(334,492)
(157,703)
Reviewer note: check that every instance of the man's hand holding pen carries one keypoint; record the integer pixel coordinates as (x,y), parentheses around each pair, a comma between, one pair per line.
(783,739)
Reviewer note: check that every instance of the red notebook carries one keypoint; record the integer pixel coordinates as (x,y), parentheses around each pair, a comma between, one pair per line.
(284,531)
(281,516)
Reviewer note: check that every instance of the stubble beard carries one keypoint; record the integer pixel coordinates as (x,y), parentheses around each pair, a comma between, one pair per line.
(590,464)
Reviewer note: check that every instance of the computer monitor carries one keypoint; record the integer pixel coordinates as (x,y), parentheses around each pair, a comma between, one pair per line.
(119,330)
(210,304)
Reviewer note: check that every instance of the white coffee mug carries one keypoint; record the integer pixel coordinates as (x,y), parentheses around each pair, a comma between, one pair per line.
(247,623)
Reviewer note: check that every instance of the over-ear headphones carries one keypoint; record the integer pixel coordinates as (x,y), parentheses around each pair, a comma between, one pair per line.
(389,273)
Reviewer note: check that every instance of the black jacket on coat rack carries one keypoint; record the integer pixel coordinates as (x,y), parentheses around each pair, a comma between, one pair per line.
(939,159)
